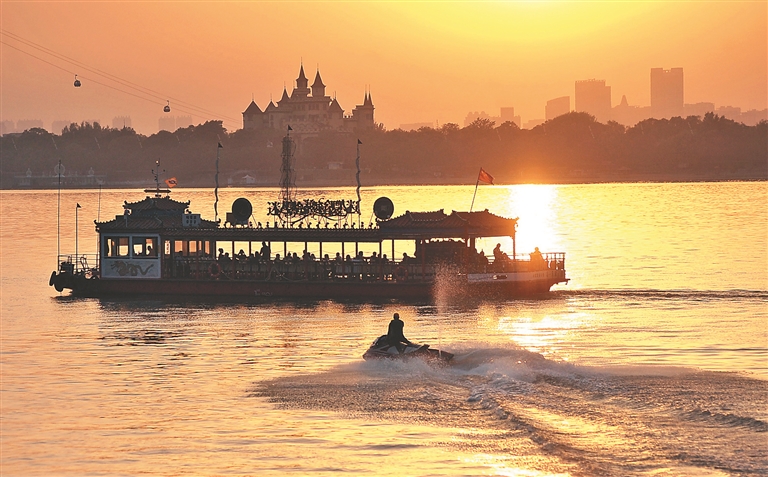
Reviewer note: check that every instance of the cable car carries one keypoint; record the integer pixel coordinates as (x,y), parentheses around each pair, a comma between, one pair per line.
(167,107)
(77,82)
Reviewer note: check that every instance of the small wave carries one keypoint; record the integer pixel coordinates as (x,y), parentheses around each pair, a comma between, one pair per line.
(736,294)
(641,370)
(727,419)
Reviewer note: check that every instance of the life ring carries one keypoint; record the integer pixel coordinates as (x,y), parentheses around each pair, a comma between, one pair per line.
(401,273)
(214,269)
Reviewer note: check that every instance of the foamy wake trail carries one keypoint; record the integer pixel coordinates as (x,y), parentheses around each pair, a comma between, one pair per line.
(606,420)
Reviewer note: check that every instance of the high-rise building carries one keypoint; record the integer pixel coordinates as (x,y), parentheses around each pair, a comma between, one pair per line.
(507,114)
(7,127)
(120,122)
(183,121)
(666,92)
(25,124)
(166,123)
(557,107)
(58,126)
(594,97)
(698,109)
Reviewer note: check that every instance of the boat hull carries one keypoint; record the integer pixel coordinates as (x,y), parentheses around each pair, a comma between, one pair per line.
(297,289)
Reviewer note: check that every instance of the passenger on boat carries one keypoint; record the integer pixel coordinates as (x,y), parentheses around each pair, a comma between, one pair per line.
(537,260)
(498,255)
(395,333)
(265,252)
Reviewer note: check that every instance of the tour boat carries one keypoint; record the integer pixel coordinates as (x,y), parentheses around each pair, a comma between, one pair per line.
(157,247)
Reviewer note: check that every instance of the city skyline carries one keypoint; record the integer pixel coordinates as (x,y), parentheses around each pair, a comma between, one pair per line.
(423,63)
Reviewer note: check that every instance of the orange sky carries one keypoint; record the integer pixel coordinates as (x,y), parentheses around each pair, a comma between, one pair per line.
(424,61)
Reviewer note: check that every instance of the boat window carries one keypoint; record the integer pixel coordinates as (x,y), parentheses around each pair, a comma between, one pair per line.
(144,247)
(116,247)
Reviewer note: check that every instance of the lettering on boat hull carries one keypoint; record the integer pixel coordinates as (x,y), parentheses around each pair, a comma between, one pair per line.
(130,269)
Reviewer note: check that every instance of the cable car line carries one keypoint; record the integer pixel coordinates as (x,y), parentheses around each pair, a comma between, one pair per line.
(186,107)
(181,109)
(110,76)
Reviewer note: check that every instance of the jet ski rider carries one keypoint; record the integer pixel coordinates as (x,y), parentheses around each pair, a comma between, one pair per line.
(395,334)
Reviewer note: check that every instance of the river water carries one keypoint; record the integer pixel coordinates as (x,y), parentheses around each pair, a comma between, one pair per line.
(653,360)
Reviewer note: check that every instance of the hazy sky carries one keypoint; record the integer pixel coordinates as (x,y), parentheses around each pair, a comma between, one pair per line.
(423,61)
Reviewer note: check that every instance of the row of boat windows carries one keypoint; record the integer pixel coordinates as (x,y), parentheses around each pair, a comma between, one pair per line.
(146,247)
(137,247)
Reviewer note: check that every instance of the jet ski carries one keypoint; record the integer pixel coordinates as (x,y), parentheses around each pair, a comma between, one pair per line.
(381,349)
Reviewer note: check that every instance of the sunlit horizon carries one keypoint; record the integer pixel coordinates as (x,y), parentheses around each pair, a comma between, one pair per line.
(421,62)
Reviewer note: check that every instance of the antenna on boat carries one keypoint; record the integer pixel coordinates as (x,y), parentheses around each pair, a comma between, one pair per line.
(156,173)
(357,176)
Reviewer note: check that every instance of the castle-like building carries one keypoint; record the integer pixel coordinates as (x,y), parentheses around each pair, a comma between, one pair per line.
(308,113)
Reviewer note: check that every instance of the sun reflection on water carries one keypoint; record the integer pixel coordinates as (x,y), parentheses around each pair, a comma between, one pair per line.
(547,335)
(506,466)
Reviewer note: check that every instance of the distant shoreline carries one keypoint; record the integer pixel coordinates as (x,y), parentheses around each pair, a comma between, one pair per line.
(639,179)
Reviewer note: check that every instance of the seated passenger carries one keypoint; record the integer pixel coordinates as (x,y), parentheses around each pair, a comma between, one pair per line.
(498,255)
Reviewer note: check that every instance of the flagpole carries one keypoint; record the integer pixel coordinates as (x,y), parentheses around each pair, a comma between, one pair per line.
(216,190)
(58,217)
(77,251)
(475,194)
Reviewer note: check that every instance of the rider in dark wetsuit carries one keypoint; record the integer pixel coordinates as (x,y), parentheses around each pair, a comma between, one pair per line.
(395,333)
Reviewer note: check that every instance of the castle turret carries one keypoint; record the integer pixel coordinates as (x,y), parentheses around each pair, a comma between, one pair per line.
(301,90)
(252,116)
(284,100)
(318,88)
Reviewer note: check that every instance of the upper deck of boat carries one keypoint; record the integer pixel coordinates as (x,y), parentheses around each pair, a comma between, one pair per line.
(169,217)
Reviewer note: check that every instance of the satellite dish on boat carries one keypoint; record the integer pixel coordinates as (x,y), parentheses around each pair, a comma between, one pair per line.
(383,208)
(241,210)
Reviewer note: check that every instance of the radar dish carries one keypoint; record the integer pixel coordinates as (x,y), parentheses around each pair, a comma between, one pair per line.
(242,209)
(383,208)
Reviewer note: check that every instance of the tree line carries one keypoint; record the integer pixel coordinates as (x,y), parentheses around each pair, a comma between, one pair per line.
(570,148)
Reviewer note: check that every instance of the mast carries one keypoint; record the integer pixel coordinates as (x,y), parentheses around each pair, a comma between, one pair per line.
(59,170)
(287,177)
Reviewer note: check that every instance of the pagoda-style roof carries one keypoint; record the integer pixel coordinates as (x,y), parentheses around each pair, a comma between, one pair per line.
(151,214)
(438,224)
(148,223)
(156,204)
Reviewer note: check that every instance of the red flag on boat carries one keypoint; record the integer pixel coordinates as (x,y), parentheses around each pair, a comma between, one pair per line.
(171,182)
(485,177)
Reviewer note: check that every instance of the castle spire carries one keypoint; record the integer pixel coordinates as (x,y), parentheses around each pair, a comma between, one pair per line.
(318,88)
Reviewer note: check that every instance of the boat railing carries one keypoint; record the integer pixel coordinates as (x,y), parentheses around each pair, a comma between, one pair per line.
(244,269)
(308,269)
(526,262)
(81,264)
